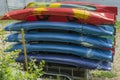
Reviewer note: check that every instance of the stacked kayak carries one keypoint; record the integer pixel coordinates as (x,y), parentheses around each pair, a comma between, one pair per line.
(83,5)
(69,33)
(61,15)
(69,60)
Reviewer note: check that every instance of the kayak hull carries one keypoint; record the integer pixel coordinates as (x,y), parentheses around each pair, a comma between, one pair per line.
(68,49)
(67,60)
(101,43)
(99,7)
(100,30)
(78,5)
(61,15)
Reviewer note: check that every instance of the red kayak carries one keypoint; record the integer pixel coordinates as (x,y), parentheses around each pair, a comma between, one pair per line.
(61,15)
(78,5)
(99,7)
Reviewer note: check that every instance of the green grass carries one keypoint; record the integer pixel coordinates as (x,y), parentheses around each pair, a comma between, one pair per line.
(5,22)
(103,74)
(117,24)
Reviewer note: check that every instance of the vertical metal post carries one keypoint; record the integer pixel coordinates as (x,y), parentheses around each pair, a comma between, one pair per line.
(25,2)
(6,1)
(72,73)
(86,75)
(25,51)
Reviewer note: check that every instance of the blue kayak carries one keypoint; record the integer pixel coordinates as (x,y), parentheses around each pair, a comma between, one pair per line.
(100,30)
(68,49)
(63,37)
(68,60)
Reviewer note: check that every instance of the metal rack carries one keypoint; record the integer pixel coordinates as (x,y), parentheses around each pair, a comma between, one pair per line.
(66,72)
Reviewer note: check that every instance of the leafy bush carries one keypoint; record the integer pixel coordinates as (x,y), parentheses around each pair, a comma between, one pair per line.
(10,70)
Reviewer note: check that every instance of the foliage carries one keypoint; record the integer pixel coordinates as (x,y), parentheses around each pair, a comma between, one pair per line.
(117,24)
(10,70)
(103,74)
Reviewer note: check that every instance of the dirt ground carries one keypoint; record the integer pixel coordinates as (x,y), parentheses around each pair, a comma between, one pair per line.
(116,64)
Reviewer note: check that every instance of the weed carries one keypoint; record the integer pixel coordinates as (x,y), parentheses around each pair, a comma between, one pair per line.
(10,70)
(103,74)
